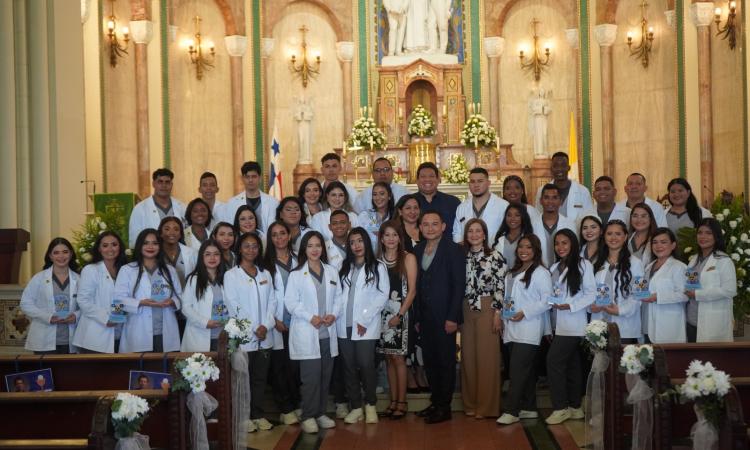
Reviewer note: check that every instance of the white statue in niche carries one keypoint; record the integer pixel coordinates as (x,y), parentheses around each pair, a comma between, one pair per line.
(396,10)
(303,114)
(417,39)
(539,109)
(439,24)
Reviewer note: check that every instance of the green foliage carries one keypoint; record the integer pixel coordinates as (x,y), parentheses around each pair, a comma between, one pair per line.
(85,237)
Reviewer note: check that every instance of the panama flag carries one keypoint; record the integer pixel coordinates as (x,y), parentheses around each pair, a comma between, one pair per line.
(274,180)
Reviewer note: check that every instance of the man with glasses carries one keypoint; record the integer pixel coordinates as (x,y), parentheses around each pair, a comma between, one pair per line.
(381,171)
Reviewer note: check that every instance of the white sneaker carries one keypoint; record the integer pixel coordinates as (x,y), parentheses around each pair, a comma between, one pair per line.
(558,416)
(251,427)
(354,416)
(371,414)
(298,413)
(310,426)
(342,410)
(325,422)
(528,414)
(289,418)
(507,419)
(263,424)
(576,413)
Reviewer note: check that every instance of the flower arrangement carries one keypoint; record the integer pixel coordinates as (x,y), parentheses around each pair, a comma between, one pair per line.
(128,413)
(706,386)
(458,171)
(85,237)
(239,331)
(596,335)
(636,359)
(477,132)
(194,372)
(421,122)
(365,133)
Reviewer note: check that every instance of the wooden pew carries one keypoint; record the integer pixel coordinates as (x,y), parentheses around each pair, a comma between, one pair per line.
(614,426)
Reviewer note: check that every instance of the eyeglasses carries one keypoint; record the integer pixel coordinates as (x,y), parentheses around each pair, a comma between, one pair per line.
(382,170)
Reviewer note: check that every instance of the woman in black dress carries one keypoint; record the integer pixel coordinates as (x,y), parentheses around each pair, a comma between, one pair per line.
(395,333)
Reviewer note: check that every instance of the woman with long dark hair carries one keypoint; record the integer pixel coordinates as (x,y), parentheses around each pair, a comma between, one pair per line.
(337,197)
(49,301)
(591,237)
(684,210)
(642,228)
(616,270)
(246,221)
(95,332)
(364,281)
(408,214)
(310,195)
(198,218)
(225,237)
(514,191)
(515,225)
(527,287)
(150,293)
(176,253)
(574,290)
(382,210)
(290,212)
(203,301)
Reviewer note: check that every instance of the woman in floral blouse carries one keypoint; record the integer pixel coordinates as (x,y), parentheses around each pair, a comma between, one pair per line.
(480,343)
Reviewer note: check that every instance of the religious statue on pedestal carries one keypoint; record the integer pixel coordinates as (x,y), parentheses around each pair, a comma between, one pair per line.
(397,10)
(539,109)
(303,114)
(419,28)
(441,12)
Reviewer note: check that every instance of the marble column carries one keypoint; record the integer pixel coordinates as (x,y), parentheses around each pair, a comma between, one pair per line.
(236,46)
(142,31)
(345,54)
(266,50)
(571,35)
(606,34)
(493,49)
(9,200)
(702,15)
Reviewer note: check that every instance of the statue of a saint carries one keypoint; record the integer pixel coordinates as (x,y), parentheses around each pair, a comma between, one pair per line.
(539,109)
(396,10)
(439,23)
(417,31)
(303,114)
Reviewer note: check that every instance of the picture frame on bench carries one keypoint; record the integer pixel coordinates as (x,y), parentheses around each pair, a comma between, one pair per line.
(32,381)
(142,379)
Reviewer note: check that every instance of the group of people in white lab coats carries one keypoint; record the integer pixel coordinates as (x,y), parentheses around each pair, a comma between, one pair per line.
(305,272)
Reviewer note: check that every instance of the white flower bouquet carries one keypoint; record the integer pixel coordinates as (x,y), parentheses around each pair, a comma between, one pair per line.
(636,359)
(458,171)
(477,132)
(365,133)
(596,335)
(706,386)
(128,413)
(421,122)
(194,372)
(85,237)
(240,332)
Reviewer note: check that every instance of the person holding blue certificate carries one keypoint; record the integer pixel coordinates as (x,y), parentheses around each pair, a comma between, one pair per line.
(203,301)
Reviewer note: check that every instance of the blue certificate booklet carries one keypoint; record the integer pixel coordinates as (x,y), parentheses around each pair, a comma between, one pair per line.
(160,290)
(640,288)
(692,280)
(117,312)
(509,307)
(62,305)
(219,312)
(557,296)
(602,295)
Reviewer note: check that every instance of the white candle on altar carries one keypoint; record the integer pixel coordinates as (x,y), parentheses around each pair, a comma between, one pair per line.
(445,110)
(475,141)
(372,143)
(400,113)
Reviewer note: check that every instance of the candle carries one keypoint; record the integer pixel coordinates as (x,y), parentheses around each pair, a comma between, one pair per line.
(475,141)
(343,149)
(445,110)
(372,143)
(479,107)
(400,113)
(471,108)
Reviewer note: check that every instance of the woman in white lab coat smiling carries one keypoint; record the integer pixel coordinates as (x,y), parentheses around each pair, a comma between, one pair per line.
(150,292)
(49,300)
(365,284)
(313,298)
(177,254)
(249,295)
(709,310)
(95,333)
(663,312)
(203,301)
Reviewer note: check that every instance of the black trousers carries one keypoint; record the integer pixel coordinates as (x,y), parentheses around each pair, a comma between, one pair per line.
(284,375)
(522,394)
(692,333)
(338,381)
(359,369)
(259,362)
(439,353)
(564,372)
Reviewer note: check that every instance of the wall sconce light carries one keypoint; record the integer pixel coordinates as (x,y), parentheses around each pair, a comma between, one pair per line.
(642,50)
(305,70)
(729,30)
(536,62)
(116,48)
(195,50)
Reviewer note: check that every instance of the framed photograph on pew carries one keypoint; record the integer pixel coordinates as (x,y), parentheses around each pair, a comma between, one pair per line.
(33,381)
(141,379)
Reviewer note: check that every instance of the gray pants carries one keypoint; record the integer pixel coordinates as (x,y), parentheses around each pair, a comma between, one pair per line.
(316,379)
(359,369)
(259,362)
(522,395)
(564,372)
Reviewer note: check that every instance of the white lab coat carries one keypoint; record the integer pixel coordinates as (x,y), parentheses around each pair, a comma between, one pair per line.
(369,301)
(533,302)
(363,202)
(95,293)
(137,332)
(303,230)
(279,290)
(660,214)
(146,215)
(191,241)
(197,311)
(577,204)
(665,318)
(629,318)
(573,322)
(38,304)
(187,260)
(301,300)
(266,214)
(335,258)
(321,220)
(715,297)
(619,212)
(493,216)
(253,299)
(647,256)
(541,232)
(370,221)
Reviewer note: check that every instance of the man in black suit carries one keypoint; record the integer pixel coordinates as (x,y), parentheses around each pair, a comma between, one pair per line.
(431,199)
(440,291)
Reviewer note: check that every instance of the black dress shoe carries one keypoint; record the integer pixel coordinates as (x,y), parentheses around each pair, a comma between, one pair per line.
(427,411)
(440,415)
